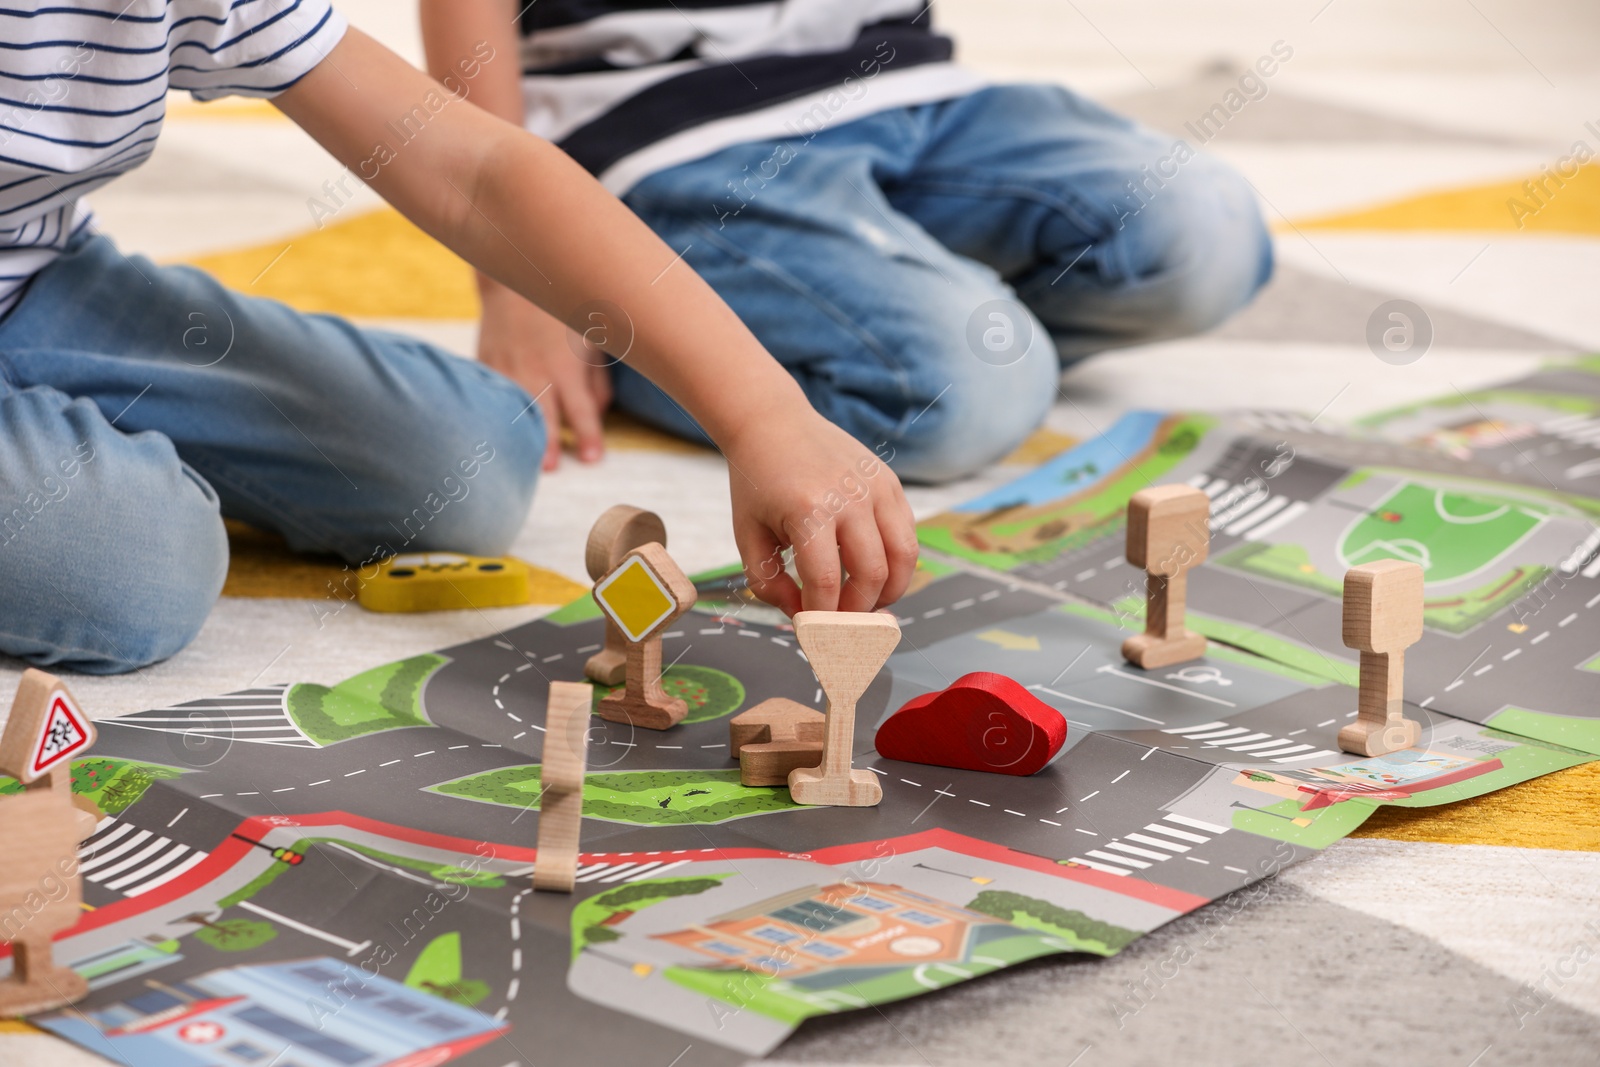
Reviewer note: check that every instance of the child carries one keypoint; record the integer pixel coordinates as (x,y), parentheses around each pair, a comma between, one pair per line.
(920,249)
(139,403)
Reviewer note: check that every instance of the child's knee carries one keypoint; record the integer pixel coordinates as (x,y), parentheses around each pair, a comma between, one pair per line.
(466,487)
(990,388)
(120,571)
(1209,246)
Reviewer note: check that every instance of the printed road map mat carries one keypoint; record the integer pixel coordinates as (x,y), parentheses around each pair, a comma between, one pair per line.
(309,875)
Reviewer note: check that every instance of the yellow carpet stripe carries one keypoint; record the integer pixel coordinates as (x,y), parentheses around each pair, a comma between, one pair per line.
(375,265)
(1545,204)
(1557,811)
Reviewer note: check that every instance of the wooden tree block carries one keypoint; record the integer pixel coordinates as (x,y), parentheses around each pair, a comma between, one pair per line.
(1382,618)
(564,762)
(1168,533)
(980,722)
(642,595)
(773,738)
(618,531)
(41,895)
(846,650)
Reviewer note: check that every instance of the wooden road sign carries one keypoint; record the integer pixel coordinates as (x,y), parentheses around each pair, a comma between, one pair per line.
(642,596)
(618,531)
(47,729)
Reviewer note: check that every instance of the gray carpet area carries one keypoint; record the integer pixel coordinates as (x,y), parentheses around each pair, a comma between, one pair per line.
(1297,305)
(1271,967)
(1271,113)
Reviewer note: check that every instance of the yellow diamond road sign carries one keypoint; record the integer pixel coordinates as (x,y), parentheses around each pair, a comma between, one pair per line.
(636,599)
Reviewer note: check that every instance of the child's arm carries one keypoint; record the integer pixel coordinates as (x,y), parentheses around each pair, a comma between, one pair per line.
(524,213)
(515,337)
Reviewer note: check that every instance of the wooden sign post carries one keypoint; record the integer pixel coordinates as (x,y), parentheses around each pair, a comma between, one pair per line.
(565,759)
(1167,534)
(618,531)
(846,649)
(1382,618)
(41,892)
(643,595)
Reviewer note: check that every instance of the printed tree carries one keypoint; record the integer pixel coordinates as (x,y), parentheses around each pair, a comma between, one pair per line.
(231,935)
(438,971)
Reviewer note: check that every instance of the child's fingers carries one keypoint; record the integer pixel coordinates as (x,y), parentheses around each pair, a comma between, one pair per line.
(763,567)
(582,414)
(551,410)
(866,566)
(600,387)
(821,573)
(899,533)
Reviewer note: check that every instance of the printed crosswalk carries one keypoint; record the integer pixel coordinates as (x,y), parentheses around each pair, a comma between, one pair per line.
(1584,559)
(1253,744)
(625,872)
(1580,428)
(1174,836)
(256,716)
(1250,511)
(1284,421)
(131,861)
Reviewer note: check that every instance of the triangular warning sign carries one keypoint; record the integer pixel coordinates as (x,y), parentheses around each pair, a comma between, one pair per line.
(66,731)
(46,728)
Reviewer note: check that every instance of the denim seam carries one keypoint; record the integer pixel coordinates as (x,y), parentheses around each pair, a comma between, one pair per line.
(64,652)
(1080,212)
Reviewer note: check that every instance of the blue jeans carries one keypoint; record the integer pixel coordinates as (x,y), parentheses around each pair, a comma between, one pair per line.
(924,272)
(139,404)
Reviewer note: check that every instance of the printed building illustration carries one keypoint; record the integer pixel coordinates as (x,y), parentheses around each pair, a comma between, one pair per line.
(1393,777)
(300,1013)
(844,924)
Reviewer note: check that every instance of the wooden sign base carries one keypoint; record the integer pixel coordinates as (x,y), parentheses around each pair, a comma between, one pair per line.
(642,701)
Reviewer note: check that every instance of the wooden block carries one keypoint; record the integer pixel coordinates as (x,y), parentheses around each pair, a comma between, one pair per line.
(41,895)
(773,738)
(980,722)
(445,581)
(47,730)
(618,531)
(642,595)
(1167,535)
(846,651)
(564,762)
(1382,618)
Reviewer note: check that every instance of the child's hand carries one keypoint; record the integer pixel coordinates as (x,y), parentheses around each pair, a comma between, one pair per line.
(537,352)
(799,481)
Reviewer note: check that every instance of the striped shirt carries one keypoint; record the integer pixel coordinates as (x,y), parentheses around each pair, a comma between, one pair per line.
(83,87)
(631,87)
